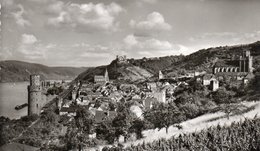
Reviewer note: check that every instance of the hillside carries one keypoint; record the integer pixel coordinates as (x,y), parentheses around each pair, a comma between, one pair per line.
(115,71)
(135,70)
(203,60)
(14,71)
(156,64)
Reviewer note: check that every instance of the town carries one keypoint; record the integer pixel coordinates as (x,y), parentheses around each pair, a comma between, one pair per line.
(129,75)
(114,111)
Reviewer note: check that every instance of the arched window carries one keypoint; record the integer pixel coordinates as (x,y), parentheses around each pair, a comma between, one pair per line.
(215,70)
(228,69)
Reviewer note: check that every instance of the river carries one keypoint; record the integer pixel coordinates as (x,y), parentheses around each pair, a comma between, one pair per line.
(12,94)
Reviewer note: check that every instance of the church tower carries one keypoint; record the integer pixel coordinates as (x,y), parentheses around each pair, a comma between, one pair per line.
(249,60)
(161,75)
(106,76)
(34,95)
(246,62)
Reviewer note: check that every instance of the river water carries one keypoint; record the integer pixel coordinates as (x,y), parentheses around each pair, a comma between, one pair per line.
(12,94)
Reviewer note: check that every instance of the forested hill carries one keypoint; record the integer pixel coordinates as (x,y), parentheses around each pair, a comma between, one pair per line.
(156,64)
(202,60)
(134,70)
(15,71)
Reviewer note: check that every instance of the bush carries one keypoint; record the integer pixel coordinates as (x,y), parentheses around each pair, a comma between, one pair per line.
(30,118)
(222,96)
(55,90)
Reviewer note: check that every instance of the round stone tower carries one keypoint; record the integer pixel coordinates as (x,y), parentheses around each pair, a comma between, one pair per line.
(34,95)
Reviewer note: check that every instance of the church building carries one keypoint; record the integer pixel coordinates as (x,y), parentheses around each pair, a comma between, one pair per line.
(243,64)
(100,79)
(234,69)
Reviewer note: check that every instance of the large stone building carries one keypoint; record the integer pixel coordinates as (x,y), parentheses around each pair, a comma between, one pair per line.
(36,98)
(242,64)
(159,95)
(234,69)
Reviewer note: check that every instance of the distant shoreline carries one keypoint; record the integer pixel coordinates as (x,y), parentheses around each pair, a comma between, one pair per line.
(14,81)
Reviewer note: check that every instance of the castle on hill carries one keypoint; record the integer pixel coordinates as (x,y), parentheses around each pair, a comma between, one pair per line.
(121,59)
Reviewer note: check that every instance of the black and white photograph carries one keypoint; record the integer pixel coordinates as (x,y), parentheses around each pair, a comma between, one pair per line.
(129,75)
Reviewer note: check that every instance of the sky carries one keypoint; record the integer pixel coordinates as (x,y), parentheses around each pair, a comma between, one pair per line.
(92,32)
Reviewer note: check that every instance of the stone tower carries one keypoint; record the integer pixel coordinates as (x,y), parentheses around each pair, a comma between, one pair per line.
(34,95)
(249,62)
(246,62)
(74,94)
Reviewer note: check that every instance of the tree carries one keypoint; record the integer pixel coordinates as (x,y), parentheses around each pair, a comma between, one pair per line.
(231,108)
(50,116)
(137,127)
(222,96)
(71,139)
(112,106)
(196,85)
(79,129)
(55,90)
(163,115)
(84,120)
(122,123)
(190,110)
(105,131)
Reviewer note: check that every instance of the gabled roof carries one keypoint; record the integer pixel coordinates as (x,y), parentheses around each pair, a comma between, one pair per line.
(94,93)
(149,101)
(137,100)
(112,114)
(167,87)
(227,63)
(99,76)
(100,116)
(103,115)
(208,76)
(249,76)
(68,109)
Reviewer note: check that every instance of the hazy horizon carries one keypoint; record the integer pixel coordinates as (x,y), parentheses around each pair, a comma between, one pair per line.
(114,58)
